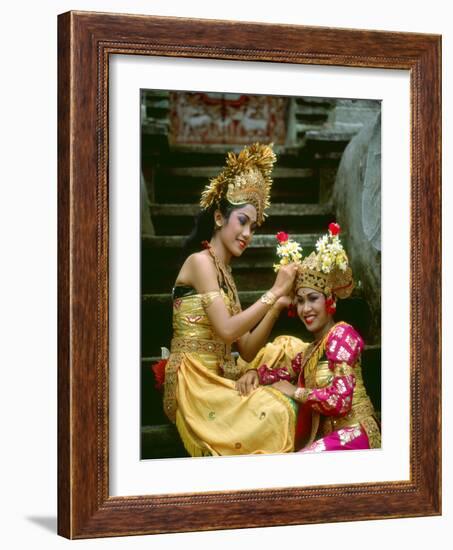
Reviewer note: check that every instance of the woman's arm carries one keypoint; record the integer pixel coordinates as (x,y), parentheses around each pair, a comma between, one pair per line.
(199,272)
(343,347)
(335,399)
(250,343)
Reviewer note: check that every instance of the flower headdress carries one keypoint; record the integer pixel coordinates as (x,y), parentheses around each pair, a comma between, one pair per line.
(287,250)
(245,179)
(327,270)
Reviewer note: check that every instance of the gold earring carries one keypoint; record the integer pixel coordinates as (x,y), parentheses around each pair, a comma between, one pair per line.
(218,225)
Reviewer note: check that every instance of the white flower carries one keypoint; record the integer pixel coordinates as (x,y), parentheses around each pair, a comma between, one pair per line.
(289,251)
(331,253)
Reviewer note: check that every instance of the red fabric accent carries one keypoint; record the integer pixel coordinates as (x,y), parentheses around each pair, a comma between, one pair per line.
(159,373)
(266,375)
(303,426)
(270,376)
(283,374)
(296,363)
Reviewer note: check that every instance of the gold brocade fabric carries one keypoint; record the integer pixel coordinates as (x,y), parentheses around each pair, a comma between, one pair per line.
(211,417)
(317,374)
(277,354)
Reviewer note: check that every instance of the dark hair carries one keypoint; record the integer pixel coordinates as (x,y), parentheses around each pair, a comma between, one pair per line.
(204,227)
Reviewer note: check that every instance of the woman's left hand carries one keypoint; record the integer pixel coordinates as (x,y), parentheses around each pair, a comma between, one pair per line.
(248,382)
(285,387)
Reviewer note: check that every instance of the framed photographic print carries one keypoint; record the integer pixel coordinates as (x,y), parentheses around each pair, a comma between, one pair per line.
(149,107)
(185,137)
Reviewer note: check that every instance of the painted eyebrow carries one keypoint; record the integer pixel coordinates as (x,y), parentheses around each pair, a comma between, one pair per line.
(247,216)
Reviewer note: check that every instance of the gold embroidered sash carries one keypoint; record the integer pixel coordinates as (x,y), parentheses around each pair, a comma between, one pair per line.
(199,345)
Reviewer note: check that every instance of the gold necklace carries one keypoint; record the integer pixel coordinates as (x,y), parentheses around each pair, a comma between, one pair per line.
(310,364)
(225,277)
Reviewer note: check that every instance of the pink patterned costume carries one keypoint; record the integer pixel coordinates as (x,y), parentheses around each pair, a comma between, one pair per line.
(335,412)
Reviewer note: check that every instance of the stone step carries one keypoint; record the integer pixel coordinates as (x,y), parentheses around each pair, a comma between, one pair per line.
(281,209)
(188,190)
(304,126)
(158,129)
(154,95)
(327,145)
(315,101)
(161,441)
(317,116)
(331,136)
(158,102)
(195,152)
(259,241)
(178,219)
(311,110)
(279,172)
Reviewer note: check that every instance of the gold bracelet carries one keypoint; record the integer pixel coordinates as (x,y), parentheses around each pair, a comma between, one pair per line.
(269,298)
(301,395)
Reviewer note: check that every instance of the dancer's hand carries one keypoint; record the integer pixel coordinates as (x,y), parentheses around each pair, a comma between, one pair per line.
(284,281)
(283,302)
(247,382)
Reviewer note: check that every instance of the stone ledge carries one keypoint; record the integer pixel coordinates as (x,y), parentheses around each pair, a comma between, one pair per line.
(279,172)
(259,241)
(281,209)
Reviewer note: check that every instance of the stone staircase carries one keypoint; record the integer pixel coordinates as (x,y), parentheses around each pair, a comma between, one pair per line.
(301,205)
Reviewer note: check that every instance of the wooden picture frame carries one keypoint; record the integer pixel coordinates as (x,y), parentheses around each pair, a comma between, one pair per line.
(86,40)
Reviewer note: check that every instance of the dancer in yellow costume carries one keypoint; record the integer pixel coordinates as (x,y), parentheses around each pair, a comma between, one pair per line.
(206,394)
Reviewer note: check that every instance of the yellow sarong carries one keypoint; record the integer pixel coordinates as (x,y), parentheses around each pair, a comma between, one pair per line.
(211,417)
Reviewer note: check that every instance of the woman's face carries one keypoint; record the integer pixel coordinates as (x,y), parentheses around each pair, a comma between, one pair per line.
(311,309)
(237,232)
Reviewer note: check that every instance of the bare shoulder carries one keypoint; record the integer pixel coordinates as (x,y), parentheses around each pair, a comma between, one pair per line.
(199,271)
(199,262)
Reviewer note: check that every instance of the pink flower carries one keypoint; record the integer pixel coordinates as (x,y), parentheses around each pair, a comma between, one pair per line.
(334,228)
(282,237)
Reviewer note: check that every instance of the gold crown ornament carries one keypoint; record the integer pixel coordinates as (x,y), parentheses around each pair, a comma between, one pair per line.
(327,270)
(244,180)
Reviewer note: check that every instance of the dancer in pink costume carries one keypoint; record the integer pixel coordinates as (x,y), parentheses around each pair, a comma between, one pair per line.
(335,412)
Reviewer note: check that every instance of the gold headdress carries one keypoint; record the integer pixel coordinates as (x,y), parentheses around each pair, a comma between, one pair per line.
(245,179)
(327,270)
